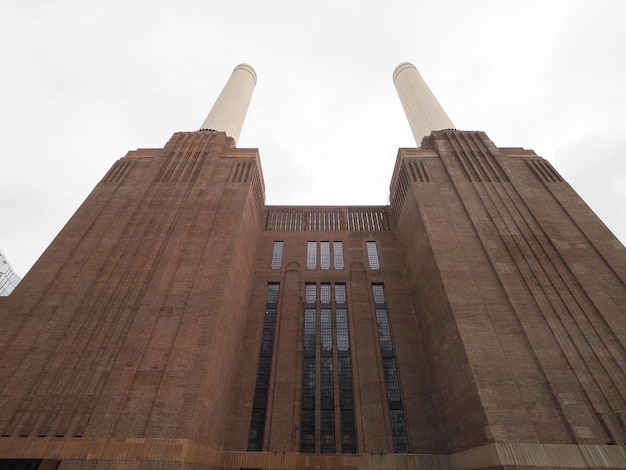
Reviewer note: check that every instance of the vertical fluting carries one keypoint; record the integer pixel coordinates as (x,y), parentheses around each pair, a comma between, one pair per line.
(229,110)
(422,109)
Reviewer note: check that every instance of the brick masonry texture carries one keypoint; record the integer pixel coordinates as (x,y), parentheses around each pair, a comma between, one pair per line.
(139,328)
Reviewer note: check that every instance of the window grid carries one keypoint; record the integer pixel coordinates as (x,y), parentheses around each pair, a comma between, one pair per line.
(384,331)
(345,378)
(261,388)
(348,432)
(391,379)
(372,255)
(343,341)
(340,293)
(325,255)
(277,255)
(327,378)
(325,293)
(326,329)
(338,255)
(309,329)
(310,293)
(308,379)
(329,442)
(269,325)
(328,431)
(379,293)
(311,255)
(307,431)
(400,436)
(272,294)
(392,383)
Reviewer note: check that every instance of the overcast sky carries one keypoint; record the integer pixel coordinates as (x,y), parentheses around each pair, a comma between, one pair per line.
(82,82)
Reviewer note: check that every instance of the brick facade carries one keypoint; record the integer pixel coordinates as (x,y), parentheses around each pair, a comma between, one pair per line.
(134,340)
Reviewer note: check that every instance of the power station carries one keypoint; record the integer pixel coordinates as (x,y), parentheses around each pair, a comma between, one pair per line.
(179,322)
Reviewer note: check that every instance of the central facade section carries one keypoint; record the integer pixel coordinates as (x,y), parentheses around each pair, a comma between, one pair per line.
(329,284)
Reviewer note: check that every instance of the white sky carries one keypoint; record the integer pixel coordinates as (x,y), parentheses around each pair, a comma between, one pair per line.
(82,82)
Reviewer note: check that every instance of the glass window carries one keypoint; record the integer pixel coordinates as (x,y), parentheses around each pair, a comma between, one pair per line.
(327,378)
(343,341)
(328,431)
(338,254)
(340,293)
(309,329)
(372,254)
(272,293)
(327,330)
(269,325)
(345,378)
(384,332)
(325,255)
(307,431)
(311,255)
(261,388)
(379,293)
(310,293)
(391,379)
(277,255)
(348,435)
(325,293)
(308,378)
(398,429)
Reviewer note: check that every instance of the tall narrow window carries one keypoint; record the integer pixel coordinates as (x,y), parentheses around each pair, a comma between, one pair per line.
(277,255)
(372,255)
(338,254)
(325,255)
(261,389)
(400,436)
(311,255)
(307,414)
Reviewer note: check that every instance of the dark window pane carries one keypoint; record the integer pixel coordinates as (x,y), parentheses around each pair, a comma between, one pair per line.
(327,329)
(328,431)
(307,431)
(399,434)
(309,329)
(327,378)
(391,379)
(384,332)
(348,435)
(343,341)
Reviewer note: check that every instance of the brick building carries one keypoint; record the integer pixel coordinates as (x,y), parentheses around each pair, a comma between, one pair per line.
(176,321)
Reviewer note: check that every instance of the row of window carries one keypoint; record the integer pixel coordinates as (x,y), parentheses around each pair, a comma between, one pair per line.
(332,352)
(325,255)
(325,358)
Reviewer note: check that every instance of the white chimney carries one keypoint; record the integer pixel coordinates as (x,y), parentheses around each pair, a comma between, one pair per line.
(422,109)
(230,108)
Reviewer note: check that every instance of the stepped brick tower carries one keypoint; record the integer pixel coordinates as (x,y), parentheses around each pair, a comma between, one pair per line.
(177,321)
